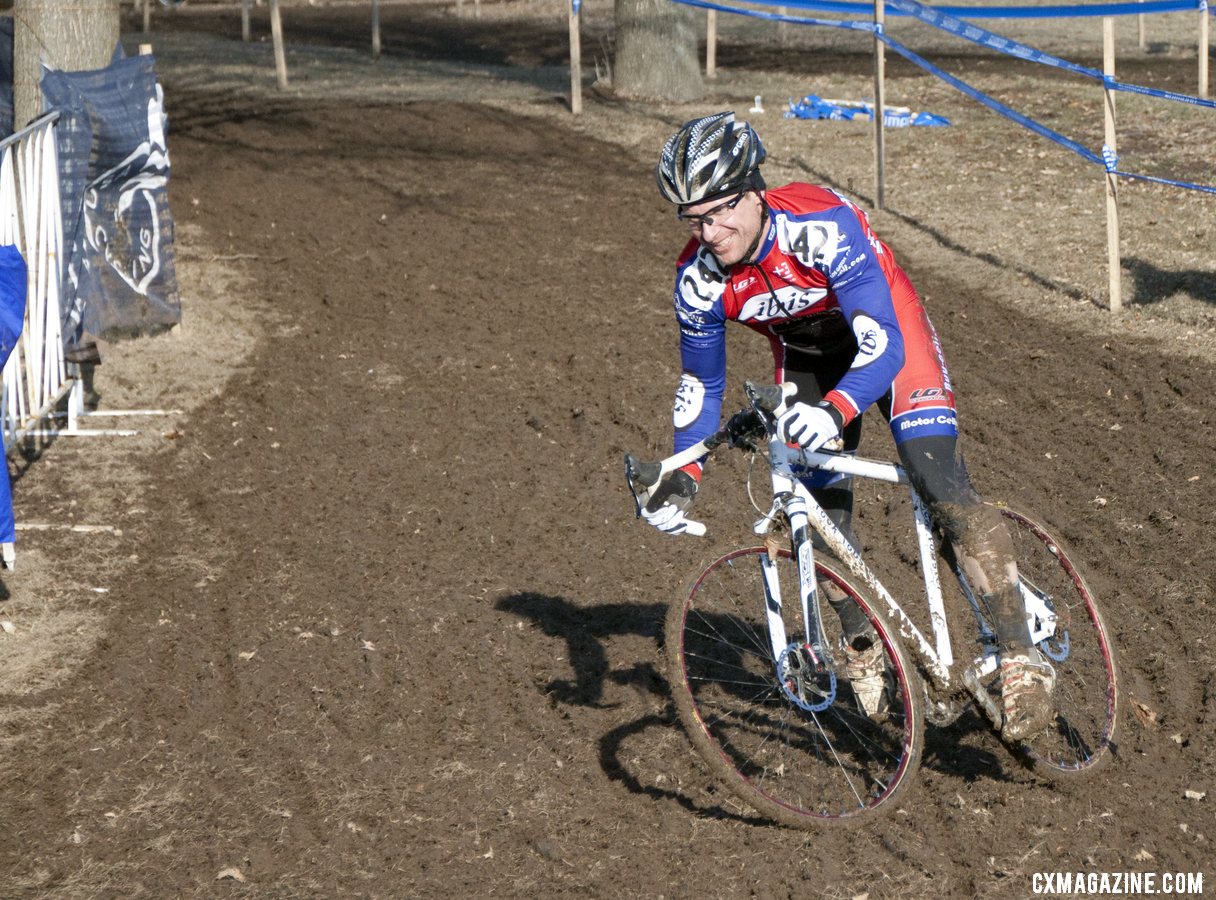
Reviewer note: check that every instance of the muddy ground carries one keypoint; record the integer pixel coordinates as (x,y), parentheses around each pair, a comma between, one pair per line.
(365,612)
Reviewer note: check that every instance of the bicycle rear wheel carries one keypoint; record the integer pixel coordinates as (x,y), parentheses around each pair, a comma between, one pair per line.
(1086,694)
(801,758)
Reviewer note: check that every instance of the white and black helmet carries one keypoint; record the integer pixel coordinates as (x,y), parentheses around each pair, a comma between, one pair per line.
(709,157)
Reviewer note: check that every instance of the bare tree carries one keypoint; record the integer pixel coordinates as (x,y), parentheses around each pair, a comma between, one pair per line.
(656,51)
(68,36)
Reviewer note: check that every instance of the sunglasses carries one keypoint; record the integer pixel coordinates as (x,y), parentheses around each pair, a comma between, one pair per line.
(694,223)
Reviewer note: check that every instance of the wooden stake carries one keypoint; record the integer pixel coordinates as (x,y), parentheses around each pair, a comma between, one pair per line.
(576,64)
(711,44)
(880,64)
(276,34)
(147,16)
(375,29)
(1205,48)
(1112,198)
(245,20)
(1140,28)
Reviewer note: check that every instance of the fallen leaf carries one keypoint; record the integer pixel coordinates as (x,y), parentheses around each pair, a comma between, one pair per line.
(1144,714)
(232,872)
(1142,855)
(248,654)
(1194,795)
(9,627)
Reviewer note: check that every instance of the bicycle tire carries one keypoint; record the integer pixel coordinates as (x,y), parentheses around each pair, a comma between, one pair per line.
(801,769)
(1086,691)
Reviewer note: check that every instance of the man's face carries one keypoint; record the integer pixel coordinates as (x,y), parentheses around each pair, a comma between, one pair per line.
(727,227)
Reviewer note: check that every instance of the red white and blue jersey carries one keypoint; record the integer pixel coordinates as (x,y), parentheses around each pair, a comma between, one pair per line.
(821,280)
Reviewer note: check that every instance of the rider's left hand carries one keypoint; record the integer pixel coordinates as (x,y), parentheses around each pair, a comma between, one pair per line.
(810,427)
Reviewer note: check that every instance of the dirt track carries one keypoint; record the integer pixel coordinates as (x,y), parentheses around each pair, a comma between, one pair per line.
(379,620)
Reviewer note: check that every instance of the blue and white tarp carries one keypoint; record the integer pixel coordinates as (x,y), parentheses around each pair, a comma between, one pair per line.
(12,320)
(814,107)
(114,175)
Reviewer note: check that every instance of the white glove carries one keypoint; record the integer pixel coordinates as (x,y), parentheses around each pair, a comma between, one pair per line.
(810,427)
(667,509)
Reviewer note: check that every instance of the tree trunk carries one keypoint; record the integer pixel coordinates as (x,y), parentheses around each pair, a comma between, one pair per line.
(656,51)
(67,36)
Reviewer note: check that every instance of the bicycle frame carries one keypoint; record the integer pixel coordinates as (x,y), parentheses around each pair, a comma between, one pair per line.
(793,500)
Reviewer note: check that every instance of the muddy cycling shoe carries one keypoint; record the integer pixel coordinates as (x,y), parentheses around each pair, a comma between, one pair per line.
(1026,683)
(866,672)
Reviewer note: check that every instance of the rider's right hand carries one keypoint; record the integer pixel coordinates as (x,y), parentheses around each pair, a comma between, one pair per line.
(671,500)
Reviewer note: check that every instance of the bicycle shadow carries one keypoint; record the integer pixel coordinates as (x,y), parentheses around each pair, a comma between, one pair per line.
(584,629)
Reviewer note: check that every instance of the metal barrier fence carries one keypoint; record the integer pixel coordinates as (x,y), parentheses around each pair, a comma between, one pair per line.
(35,377)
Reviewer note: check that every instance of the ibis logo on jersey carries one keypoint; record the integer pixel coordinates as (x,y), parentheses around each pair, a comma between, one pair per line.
(811,243)
(690,398)
(786,303)
(871,340)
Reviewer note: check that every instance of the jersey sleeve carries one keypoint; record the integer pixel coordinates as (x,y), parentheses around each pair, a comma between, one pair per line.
(852,259)
(697,410)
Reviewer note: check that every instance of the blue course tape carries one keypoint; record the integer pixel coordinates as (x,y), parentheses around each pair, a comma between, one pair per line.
(939,17)
(991,103)
(1004,12)
(797,20)
(1107,160)
(983,37)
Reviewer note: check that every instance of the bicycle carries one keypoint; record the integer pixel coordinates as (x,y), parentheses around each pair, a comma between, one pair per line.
(772,694)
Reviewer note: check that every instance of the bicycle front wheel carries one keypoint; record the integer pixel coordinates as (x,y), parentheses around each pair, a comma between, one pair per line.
(802,749)
(1074,638)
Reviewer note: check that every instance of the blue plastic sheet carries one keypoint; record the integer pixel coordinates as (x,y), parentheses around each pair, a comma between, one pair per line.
(12,320)
(814,107)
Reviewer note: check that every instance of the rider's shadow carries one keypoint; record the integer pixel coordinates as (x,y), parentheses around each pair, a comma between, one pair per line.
(584,630)
(956,750)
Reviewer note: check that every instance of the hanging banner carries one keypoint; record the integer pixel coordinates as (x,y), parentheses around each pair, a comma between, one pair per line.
(114,174)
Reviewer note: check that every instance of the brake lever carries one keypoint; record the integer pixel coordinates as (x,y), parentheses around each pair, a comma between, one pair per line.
(642,478)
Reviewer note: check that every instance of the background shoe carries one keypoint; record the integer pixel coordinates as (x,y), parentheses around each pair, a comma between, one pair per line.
(866,672)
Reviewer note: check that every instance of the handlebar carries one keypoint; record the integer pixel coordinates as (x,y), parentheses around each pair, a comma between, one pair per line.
(768,402)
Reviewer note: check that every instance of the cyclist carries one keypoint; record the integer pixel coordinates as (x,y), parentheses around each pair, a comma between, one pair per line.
(800,265)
